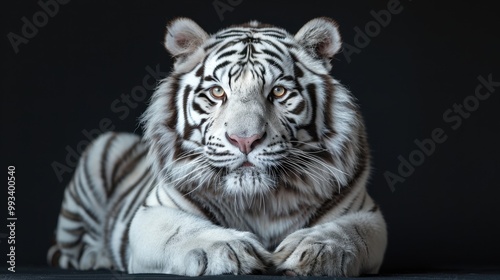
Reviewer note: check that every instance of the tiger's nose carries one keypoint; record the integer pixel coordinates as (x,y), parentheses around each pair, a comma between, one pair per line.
(245,144)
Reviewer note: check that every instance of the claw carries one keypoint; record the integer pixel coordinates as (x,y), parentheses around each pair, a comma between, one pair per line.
(289,272)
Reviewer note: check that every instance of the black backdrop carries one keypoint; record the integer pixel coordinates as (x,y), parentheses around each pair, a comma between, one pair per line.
(87,57)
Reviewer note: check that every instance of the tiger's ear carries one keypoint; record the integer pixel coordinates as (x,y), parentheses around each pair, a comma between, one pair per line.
(320,37)
(184,37)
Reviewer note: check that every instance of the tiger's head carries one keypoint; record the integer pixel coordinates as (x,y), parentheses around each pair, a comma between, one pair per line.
(253,108)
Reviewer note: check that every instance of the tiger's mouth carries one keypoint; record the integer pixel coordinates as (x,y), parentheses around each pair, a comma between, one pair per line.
(247,164)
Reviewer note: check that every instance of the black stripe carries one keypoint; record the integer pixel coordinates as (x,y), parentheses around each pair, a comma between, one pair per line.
(219,215)
(104,160)
(270,42)
(361,166)
(204,96)
(171,122)
(80,253)
(90,183)
(70,215)
(54,260)
(205,210)
(132,186)
(327,106)
(221,65)
(174,202)
(223,47)
(116,211)
(275,64)
(272,54)
(200,71)
(80,186)
(300,107)
(290,120)
(276,33)
(221,160)
(298,72)
(172,236)
(131,165)
(158,196)
(291,252)
(124,246)
(315,260)
(118,202)
(227,53)
(298,62)
(237,259)
(362,202)
(199,109)
(346,209)
(311,126)
(342,263)
(329,204)
(205,262)
(75,231)
(290,96)
(363,241)
(225,153)
(229,35)
(143,188)
(374,208)
(255,252)
(187,128)
(122,159)
(69,245)
(83,207)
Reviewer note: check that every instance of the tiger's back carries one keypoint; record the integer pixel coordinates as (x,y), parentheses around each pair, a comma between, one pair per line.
(111,180)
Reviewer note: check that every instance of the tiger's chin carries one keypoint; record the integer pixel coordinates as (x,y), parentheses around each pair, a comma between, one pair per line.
(248,181)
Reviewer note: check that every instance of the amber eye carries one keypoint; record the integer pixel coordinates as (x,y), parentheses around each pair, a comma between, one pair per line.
(217,92)
(278,91)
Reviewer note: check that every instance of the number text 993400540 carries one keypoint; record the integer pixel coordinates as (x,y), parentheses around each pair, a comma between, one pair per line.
(11,218)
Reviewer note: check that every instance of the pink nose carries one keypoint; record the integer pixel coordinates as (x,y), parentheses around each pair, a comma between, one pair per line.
(245,144)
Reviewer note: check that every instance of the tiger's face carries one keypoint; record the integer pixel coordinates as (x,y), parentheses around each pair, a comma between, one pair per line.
(250,105)
(247,109)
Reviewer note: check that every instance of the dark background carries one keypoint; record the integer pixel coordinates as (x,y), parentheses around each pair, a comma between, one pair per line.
(428,58)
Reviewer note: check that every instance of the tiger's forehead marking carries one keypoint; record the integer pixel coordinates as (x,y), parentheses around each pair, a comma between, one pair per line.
(248,57)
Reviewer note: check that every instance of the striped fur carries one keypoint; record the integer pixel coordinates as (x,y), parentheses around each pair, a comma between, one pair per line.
(244,182)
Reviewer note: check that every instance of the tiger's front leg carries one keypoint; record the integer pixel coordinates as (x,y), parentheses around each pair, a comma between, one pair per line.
(351,245)
(168,240)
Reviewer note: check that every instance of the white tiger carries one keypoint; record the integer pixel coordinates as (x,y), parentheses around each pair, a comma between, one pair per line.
(254,160)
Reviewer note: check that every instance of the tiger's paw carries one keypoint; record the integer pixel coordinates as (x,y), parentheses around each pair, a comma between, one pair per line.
(306,253)
(241,255)
(210,252)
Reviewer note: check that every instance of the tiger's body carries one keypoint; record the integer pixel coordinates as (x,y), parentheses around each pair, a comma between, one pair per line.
(254,159)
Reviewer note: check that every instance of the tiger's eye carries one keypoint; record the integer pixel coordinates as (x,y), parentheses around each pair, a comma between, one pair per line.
(279,91)
(217,92)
